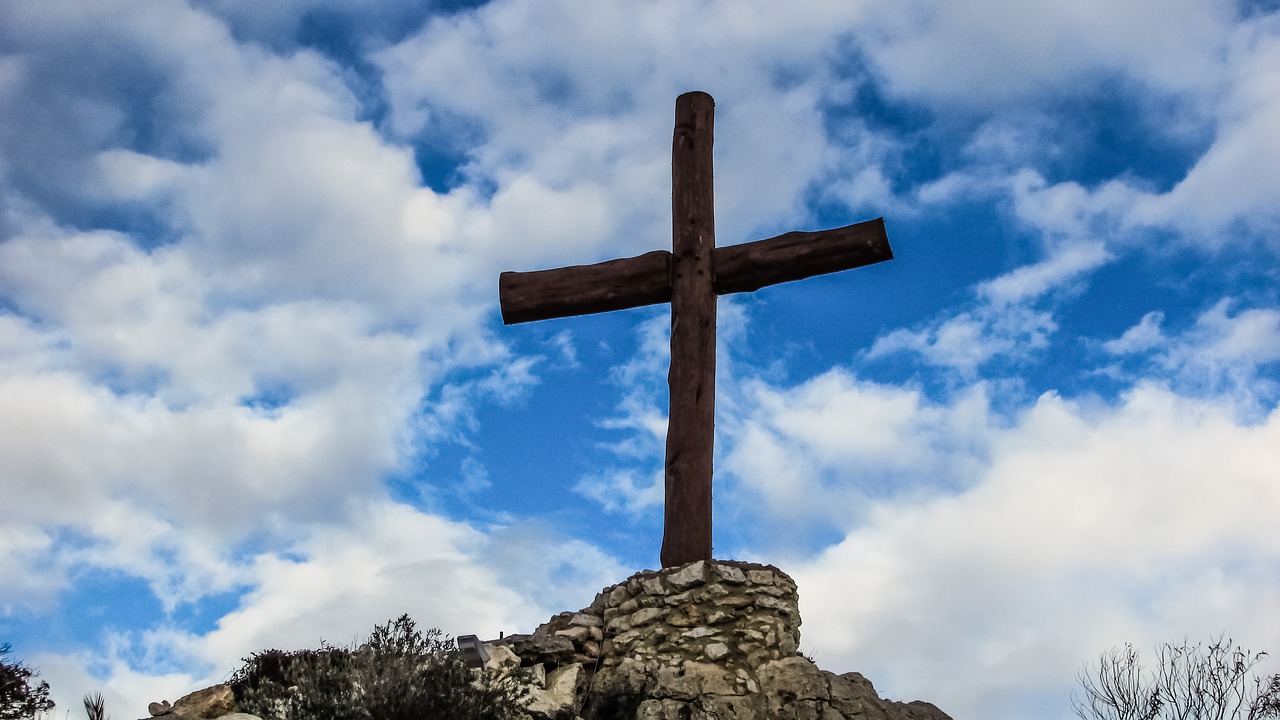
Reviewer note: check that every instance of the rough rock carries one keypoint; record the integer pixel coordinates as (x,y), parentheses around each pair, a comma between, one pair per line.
(711,640)
(707,640)
(559,693)
(211,702)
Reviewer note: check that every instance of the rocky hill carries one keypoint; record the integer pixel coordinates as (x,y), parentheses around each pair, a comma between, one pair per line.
(707,641)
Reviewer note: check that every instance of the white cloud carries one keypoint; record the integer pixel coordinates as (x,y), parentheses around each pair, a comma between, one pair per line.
(1221,353)
(968,340)
(1229,195)
(1236,179)
(623,491)
(338,580)
(1004,322)
(1032,281)
(988,52)
(263,364)
(1139,338)
(255,371)
(1084,526)
(815,453)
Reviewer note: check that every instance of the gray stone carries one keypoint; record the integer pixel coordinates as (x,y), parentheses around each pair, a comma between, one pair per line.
(729,574)
(653,586)
(689,575)
(853,696)
(210,702)
(587,619)
(715,651)
(501,657)
(561,695)
(646,616)
(577,633)
(790,679)
(692,679)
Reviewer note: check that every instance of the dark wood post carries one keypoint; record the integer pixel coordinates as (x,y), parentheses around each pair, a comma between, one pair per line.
(691,421)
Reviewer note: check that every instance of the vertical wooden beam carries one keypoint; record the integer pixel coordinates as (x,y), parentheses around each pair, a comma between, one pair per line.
(686,535)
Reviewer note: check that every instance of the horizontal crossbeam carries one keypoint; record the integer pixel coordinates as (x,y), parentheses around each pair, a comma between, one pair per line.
(646,279)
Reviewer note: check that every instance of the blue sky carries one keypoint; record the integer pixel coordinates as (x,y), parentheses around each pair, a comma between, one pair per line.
(255,392)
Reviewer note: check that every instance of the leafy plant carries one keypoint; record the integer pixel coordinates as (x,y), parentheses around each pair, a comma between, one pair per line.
(399,673)
(19,698)
(95,707)
(1188,683)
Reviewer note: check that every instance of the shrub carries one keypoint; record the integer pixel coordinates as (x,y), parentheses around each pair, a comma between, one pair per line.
(18,697)
(1188,683)
(399,673)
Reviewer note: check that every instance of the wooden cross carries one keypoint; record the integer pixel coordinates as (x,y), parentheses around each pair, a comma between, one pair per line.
(690,277)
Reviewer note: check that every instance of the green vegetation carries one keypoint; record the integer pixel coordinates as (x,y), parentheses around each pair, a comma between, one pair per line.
(1188,683)
(19,697)
(400,673)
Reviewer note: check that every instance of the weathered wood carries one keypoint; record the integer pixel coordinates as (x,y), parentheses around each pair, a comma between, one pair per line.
(585,289)
(798,255)
(690,278)
(691,422)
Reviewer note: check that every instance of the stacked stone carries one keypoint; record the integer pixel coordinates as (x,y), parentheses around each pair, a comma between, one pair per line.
(567,638)
(738,615)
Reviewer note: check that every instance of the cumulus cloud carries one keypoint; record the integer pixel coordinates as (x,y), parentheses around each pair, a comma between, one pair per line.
(982,53)
(1152,515)
(1223,352)
(815,453)
(1005,322)
(335,581)
(231,307)
(1227,196)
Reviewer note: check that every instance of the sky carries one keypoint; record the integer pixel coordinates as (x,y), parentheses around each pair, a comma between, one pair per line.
(255,391)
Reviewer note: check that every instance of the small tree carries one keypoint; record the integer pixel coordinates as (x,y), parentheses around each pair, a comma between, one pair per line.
(1188,683)
(19,698)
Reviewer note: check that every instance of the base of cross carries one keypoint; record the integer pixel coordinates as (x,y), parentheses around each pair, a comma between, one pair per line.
(713,638)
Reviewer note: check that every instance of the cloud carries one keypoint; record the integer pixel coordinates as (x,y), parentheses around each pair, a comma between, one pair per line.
(251,357)
(1004,322)
(1139,338)
(1032,281)
(816,453)
(970,339)
(337,580)
(1221,354)
(1079,526)
(1233,185)
(623,491)
(986,53)
(1227,196)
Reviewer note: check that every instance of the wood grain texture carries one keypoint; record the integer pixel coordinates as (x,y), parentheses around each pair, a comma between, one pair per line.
(585,289)
(798,255)
(691,378)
